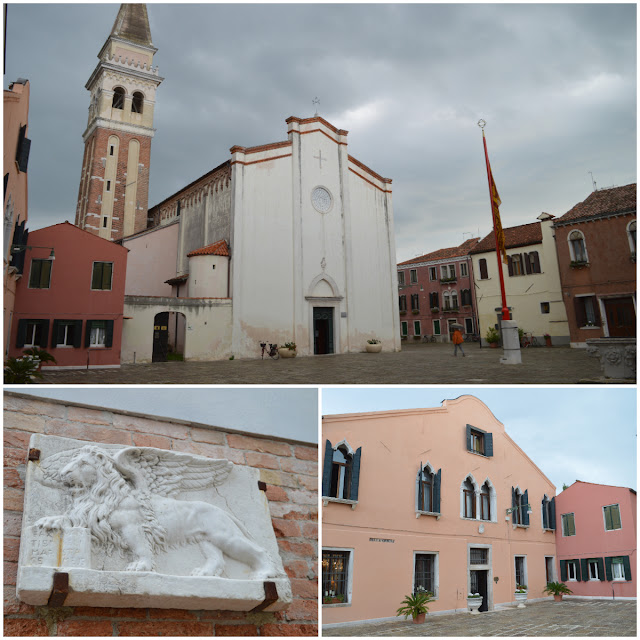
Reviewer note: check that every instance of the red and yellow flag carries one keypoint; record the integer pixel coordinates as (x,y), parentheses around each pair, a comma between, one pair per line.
(497,224)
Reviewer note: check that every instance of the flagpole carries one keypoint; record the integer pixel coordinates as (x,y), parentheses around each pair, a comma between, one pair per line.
(505,309)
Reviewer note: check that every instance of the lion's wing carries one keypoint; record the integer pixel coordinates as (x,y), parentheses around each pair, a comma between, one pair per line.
(166,473)
(50,466)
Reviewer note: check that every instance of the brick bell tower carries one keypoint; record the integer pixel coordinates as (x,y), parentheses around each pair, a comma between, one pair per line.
(114,184)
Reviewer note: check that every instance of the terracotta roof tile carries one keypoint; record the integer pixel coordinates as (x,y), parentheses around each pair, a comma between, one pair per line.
(177,280)
(219,248)
(520,236)
(604,202)
(443,254)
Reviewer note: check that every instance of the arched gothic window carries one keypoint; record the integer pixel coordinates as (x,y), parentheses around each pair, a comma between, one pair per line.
(631,233)
(137,104)
(577,247)
(118,98)
(485,502)
(469,499)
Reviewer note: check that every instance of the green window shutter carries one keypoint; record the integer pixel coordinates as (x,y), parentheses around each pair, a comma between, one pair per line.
(107,269)
(627,568)
(22,333)
(45,276)
(513,505)
(552,513)
(34,276)
(608,525)
(87,333)
(545,522)
(468,437)
(525,510)
(577,563)
(108,340)
(96,276)
(77,333)
(437,483)
(584,563)
(615,517)
(563,570)
(326,468)
(600,569)
(608,570)
(419,501)
(355,474)
(55,336)
(488,445)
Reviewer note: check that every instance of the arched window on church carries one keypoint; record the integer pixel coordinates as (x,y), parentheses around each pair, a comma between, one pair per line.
(118,98)
(137,103)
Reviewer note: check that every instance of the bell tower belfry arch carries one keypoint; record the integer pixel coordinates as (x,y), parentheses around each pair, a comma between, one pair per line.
(114,183)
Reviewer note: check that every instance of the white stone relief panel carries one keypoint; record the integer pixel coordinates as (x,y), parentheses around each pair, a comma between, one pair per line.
(154,527)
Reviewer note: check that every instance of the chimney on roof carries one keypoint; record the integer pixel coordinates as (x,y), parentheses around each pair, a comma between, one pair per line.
(545,216)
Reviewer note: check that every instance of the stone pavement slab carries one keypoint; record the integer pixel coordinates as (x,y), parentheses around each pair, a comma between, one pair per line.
(581,618)
(417,363)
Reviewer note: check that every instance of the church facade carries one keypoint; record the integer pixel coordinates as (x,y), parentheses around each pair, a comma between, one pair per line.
(285,242)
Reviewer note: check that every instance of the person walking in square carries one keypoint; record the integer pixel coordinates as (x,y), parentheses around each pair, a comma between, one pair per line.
(457,340)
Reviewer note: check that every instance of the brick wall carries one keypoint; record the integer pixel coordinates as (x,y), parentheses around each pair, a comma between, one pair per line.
(289,468)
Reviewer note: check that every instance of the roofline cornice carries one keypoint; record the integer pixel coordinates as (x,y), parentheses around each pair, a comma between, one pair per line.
(597,216)
(434,262)
(103,123)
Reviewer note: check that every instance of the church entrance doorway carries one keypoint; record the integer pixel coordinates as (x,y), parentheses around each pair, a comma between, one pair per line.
(160,337)
(322,330)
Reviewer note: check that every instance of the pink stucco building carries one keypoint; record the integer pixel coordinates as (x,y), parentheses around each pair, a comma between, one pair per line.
(70,299)
(437,498)
(596,540)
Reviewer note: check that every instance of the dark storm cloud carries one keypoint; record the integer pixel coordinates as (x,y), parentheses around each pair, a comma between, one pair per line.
(556,84)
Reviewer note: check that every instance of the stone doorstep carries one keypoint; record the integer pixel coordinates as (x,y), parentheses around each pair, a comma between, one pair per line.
(88,587)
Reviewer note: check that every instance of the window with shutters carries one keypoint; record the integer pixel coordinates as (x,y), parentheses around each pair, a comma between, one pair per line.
(447,272)
(402,301)
(67,333)
(468,326)
(417,330)
(415,302)
(464,270)
(404,328)
(519,507)
(465,297)
(433,300)
(40,276)
(587,311)
(515,265)
(23,149)
(611,515)
(568,525)
(577,248)
(484,272)
(572,570)
(401,278)
(479,441)
(425,573)
(436,327)
(548,513)
(593,572)
(413,276)
(33,336)
(433,273)
(137,102)
(101,276)
(118,98)
(341,473)
(99,333)
(428,483)
(532,262)
(337,569)
(617,569)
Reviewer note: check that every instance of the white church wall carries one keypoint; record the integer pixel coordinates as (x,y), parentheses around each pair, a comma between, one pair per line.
(208,276)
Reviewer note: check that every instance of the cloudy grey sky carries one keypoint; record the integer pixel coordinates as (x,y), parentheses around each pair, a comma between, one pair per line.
(286,413)
(555,83)
(571,434)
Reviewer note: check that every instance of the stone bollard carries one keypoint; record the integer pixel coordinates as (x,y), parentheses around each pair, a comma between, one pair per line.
(510,343)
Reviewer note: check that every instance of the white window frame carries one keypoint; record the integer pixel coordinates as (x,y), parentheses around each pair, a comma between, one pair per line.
(439,331)
(572,253)
(562,515)
(96,329)
(553,573)
(436,571)
(401,278)
(593,563)
(630,236)
(93,266)
(604,518)
(464,271)
(570,564)
(525,570)
(493,502)
(433,273)
(419,327)
(66,325)
(476,499)
(33,261)
(349,576)
(413,276)
(613,573)
(28,345)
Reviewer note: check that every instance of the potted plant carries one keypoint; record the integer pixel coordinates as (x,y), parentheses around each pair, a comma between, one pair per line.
(547,340)
(557,590)
(434,309)
(521,595)
(288,350)
(41,354)
(336,598)
(521,336)
(22,370)
(415,311)
(416,605)
(493,337)
(474,602)
(374,345)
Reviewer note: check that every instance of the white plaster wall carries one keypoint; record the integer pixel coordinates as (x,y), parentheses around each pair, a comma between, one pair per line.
(151,261)
(205,281)
(207,336)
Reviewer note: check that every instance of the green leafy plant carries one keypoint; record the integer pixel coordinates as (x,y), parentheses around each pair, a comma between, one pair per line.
(492,335)
(434,309)
(546,336)
(521,588)
(557,589)
(414,605)
(289,345)
(473,596)
(21,370)
(231,357)
(41,354)
(374,341)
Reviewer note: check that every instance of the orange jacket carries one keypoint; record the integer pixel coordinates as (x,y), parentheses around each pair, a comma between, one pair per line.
(457,337)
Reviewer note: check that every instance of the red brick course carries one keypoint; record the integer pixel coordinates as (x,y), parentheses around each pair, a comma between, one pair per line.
(289,470)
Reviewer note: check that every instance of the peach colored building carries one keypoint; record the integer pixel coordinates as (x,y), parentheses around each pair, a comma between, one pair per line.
(434,498)
(16,148)
(596,540)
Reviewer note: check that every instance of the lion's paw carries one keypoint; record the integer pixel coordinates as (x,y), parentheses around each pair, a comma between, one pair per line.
(264,574)
(140,565)
(51,523)
(206,571)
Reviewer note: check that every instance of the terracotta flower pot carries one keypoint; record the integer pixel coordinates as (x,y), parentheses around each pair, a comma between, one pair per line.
(419,619)
(548,342)
(493,345)
(558,597)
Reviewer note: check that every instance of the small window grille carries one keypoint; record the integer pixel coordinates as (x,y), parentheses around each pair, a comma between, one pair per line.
(478,556)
